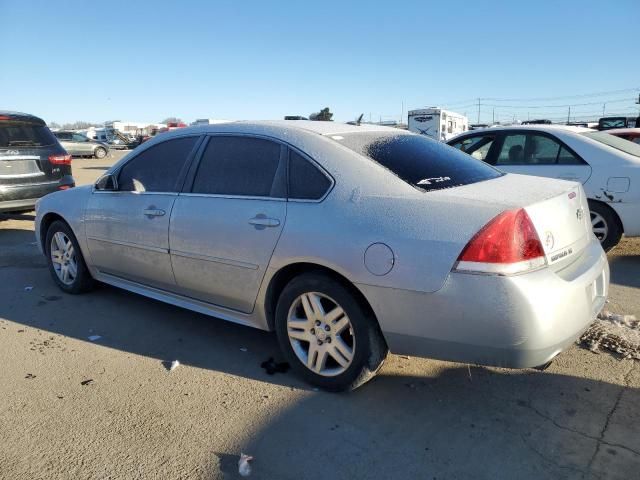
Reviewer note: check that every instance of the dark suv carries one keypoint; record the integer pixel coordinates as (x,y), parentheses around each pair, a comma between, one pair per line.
(32,162)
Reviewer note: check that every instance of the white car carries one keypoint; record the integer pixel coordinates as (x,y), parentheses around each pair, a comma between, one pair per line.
(607,166)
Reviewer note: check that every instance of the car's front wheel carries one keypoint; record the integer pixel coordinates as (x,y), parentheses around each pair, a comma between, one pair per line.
(65,259)
(100,152)
(327,334)
(606,225)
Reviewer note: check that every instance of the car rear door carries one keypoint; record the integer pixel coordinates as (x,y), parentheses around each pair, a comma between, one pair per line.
(82,144)
(127,229)
(225,226)
(540,154)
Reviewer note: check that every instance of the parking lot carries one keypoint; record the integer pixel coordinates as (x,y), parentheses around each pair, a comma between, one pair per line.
(109,408)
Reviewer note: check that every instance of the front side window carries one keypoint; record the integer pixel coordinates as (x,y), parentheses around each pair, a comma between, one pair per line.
(158,168)
(244,166)
(79,138)
(478,147)
(418,160)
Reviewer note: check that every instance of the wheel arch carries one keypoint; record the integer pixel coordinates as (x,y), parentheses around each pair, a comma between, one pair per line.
(609,208)
(287,273)
(46,222)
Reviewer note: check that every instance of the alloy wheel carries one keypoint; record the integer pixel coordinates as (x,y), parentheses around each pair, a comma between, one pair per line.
(321,334)
(63,258)
(599,225)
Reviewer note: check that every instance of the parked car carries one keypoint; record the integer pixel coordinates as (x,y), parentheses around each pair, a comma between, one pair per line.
(608,168)
(346,240)
(80,145)
(631,134)
(32,162)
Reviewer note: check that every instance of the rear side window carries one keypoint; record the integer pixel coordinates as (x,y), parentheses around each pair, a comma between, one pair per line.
(24,134)
(241,166)
(158,168)
(306,182)
(424,163)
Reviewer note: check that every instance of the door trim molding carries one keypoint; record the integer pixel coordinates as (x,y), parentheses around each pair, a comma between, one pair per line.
(224,261)
(129,244)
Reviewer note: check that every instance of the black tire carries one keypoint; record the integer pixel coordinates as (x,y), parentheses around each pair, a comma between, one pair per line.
(83,282)
(611,222)
(370,348)
(100,152)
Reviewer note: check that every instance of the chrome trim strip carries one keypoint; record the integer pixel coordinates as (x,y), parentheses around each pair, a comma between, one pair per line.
(224,261)
(22,175)
(129,244)
(19,157)
(20,185)
(122,192)
(232,197)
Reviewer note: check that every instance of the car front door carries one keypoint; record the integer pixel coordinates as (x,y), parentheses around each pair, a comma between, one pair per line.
(127,228)
(82,144)
(540,154)
(226,224)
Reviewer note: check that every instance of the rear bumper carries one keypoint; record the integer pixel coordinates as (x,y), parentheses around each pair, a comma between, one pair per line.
(23,197)
(518,321)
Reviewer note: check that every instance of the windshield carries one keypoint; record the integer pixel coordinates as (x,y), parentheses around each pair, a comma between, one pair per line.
(616,142)
(418,160)
(17,134)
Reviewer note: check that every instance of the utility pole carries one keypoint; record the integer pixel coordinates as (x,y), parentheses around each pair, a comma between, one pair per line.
(604,105)
(569,115)
(493,117)
(478,109)
(402,112)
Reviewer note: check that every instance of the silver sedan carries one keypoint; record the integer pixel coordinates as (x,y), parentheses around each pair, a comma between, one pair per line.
(347,240)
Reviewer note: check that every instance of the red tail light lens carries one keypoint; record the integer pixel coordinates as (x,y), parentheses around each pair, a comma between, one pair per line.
(507,244)
(60,159)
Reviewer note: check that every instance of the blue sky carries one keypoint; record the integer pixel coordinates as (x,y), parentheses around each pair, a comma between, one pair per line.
(144,61)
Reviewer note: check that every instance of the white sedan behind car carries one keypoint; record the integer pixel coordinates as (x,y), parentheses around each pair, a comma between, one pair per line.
(607,166)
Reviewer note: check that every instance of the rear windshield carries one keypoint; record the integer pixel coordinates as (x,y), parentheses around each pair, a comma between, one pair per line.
(616,142)
(418,160)
(24,134)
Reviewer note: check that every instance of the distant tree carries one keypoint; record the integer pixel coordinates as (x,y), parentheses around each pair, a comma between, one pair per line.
(54,125)
(79,125)
(171,120)
(323,115)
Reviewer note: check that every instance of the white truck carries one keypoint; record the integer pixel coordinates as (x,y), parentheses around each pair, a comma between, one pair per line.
(437,123)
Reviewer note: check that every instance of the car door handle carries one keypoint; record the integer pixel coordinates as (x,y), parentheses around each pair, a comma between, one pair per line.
(154,212)
(264,221)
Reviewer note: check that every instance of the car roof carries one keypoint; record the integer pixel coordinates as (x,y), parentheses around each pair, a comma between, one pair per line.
(634,131)
(318,127)
(25,117)
(539,127)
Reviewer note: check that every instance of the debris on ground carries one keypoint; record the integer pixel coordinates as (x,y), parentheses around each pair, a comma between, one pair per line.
(175,364)
(271,366)
(30,376)
(93,338)
(244,465)
(614,332)
(86,382)
(28,288)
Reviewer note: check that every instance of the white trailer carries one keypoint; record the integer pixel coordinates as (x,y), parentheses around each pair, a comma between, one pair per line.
(437,123)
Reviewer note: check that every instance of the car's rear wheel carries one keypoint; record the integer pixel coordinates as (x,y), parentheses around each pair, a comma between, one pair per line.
(66,263)
(606,225)
(327,334)
(100,152)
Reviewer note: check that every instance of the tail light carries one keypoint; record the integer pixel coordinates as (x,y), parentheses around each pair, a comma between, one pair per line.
(507,244)
(60,159)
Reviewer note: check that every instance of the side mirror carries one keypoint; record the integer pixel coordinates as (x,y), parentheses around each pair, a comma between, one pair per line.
(108,182)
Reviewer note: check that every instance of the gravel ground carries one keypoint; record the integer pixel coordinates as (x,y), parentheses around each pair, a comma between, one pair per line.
(72,408)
